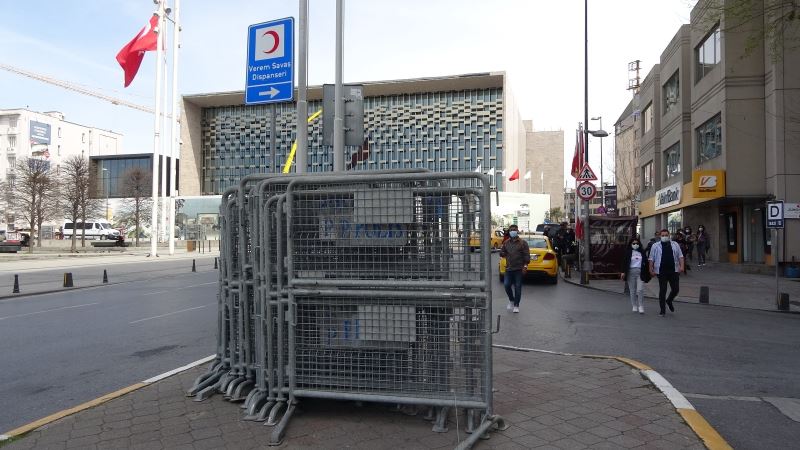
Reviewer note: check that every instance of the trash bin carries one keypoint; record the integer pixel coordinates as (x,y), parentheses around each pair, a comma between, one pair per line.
(792,272)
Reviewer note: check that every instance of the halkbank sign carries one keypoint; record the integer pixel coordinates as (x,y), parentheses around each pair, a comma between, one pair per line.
(670,195)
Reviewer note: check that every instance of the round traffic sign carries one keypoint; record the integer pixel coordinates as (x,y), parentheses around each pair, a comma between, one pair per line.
(586,190)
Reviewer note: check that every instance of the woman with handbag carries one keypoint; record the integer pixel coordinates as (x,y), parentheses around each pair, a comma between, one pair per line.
(634,271)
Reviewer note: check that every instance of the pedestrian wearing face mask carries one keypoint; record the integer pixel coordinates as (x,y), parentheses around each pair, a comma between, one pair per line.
(703,241)
(666,262)
(635,273)
(517,254)
(690,240)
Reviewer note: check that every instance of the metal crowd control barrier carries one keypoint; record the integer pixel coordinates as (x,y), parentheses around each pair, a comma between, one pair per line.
(355,287)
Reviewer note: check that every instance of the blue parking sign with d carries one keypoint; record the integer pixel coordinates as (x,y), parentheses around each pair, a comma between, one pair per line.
(270,62)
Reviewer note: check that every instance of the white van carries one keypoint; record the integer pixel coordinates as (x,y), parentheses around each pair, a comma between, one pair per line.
(96,229)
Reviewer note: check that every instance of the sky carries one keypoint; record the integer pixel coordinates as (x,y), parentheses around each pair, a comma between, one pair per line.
(539,44)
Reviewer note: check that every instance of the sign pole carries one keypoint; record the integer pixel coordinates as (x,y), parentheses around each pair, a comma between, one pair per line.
(273,128)
(777,267)
(338,102)
(302,91)
(156,134)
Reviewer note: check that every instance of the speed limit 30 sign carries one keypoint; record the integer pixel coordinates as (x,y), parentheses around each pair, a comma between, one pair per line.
(586,191)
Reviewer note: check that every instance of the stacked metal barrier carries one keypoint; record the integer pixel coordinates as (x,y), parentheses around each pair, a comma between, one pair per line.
(355,287)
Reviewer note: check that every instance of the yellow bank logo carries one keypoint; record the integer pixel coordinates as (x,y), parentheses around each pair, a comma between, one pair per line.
(708,183)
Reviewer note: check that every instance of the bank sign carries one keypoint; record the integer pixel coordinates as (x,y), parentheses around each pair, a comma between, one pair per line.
(670,195)
(40,133)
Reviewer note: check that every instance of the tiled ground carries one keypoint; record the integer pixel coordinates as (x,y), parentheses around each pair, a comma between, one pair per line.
(549,401)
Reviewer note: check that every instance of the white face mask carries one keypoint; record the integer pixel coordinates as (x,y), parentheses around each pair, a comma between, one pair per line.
(664,238)
(634,246)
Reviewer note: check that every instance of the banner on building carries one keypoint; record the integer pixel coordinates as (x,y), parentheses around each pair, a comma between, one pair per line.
(611,200)
(670,195)
(708,183)
(40,133)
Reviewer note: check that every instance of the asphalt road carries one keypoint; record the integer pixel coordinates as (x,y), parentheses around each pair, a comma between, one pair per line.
(725,360)
(62,349)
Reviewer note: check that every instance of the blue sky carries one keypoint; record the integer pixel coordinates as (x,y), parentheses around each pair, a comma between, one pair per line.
(538,43)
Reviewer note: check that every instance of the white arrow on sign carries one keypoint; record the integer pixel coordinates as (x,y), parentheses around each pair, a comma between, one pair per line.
(272,92)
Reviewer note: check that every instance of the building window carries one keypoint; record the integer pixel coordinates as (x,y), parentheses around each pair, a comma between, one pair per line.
(671,93)
(647,176)
(59,131)
(709,140)
(647,118)
(83,137)
(707,55)
(672,160)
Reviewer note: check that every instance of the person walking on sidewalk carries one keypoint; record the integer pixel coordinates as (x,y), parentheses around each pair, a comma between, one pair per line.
(703,242)
(690,240)
(666,262)
(635,273)
(517,254)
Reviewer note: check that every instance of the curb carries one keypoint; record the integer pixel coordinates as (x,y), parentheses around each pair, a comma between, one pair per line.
(19,431)
(710,437)
(696,302)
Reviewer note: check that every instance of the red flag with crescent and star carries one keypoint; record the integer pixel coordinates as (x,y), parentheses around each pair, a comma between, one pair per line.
(131,55)
(514,176)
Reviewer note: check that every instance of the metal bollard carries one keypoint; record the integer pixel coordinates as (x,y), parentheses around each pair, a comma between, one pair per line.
(783,301)
(215,263)
(194,267)
(704,295)
(16,285)
(105,276)
(68,279)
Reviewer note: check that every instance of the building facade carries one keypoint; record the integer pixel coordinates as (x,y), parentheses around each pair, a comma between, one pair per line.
(457,123)
(719,136)
(545,156)
(627,173)
(30,134)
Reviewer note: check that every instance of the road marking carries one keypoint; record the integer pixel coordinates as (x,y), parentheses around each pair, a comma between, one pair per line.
(178,289)
(47,311)
(725,397)
(98,401)
(169,314)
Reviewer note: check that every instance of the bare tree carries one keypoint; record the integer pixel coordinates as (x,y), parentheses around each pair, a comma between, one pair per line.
(775,24)
(555,214)
(75,181)
(35,187)
(135,209)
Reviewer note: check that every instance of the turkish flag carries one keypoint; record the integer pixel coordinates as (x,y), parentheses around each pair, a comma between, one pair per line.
(577,158)
(514,176)
(131,55)
(360,155)
(578,229)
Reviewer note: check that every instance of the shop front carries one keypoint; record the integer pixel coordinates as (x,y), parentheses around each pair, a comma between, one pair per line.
(736,226)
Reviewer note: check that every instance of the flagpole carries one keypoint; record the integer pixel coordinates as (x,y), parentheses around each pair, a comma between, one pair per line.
(156,134)
(175,134)
(587,263)
(164,144)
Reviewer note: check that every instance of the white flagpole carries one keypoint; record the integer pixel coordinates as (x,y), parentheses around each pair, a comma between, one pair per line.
(164,142)
(156,134)
(175,135)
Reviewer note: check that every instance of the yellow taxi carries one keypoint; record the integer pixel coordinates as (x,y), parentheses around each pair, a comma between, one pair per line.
(496,240)
(544,262)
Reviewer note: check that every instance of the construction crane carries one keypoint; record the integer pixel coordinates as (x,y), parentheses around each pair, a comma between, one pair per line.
(75,88)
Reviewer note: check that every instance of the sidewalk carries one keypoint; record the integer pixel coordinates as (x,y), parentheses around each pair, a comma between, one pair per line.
(548,401)
(727,287)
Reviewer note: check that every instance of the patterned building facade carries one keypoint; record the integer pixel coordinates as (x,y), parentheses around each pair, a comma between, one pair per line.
(455,123)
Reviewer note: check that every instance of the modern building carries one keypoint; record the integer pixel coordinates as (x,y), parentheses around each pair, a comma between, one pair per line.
(545,157)
(719,135)
(454,123)
(109,172)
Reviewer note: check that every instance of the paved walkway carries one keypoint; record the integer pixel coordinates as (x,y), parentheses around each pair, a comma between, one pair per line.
(727,287)
(549,401)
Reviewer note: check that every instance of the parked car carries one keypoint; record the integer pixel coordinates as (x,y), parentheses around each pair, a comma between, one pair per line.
(544,263)
(496,240)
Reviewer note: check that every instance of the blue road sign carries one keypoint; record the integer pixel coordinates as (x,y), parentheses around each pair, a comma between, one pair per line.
(270,62)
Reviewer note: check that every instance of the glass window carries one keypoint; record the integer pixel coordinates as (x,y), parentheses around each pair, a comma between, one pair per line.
(708,54)
(647,175)
(672,160)
(647,116)
(709,140)
(671,93)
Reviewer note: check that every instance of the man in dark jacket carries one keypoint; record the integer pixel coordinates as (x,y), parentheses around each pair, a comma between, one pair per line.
(517,254)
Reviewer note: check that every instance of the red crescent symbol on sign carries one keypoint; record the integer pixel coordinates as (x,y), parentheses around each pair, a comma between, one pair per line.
(275,38)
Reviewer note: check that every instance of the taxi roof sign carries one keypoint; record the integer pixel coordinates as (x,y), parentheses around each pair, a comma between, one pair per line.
(586,174)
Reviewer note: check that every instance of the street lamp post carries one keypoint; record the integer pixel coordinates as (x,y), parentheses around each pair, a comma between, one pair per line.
(601,134)
(105,178)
